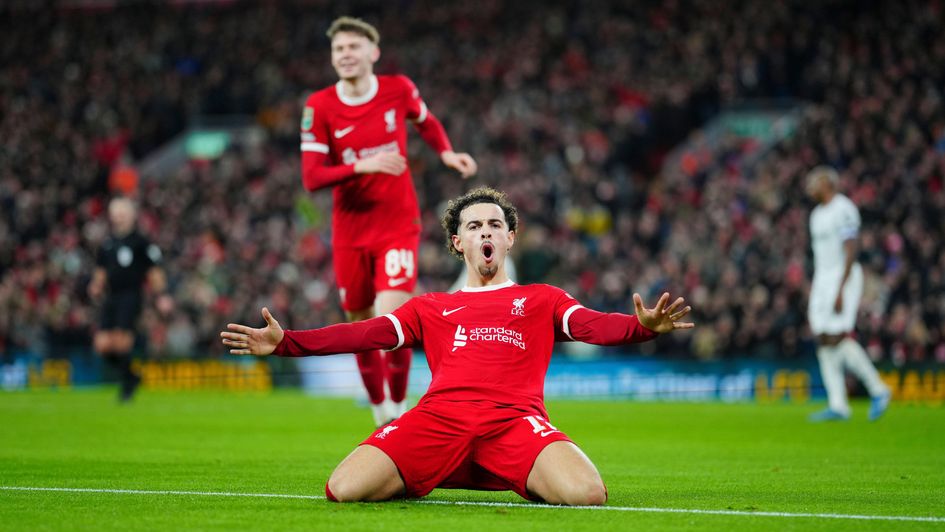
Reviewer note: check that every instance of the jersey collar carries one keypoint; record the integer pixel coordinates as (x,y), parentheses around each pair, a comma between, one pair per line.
(364,98)
(487,288)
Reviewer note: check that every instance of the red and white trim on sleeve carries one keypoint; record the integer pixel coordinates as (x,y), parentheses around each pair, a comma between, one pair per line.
(599,328)
(317,147)
(423,113)
(565,327)
(400,331)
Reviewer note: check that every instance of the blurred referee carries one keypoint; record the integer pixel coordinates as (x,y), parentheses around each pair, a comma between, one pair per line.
(124,263)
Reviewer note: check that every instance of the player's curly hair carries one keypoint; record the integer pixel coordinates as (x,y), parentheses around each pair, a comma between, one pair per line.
(475,196)
(353,25)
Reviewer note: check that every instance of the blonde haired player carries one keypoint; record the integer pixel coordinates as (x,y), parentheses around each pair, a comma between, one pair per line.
(354,140)
(835,297)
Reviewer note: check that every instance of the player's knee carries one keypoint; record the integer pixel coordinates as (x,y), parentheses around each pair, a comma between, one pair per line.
(345,489)
(593,494)
(338,489)
(586,493)
(329,495)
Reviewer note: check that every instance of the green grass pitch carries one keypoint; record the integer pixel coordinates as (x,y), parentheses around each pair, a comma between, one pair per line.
(741,458)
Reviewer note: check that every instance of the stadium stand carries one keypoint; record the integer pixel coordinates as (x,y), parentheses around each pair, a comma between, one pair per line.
(571,109)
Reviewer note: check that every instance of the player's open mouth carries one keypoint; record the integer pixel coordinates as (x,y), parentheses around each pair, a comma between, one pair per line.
(488,251)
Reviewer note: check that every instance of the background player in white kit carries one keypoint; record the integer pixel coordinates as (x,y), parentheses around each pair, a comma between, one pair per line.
(835,297)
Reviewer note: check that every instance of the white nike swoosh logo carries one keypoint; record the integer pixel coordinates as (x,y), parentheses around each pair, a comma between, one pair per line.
(447,313)
(547,432)
(398,282)
(342,132)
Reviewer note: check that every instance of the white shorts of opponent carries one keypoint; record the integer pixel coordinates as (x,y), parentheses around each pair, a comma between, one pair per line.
(823,294)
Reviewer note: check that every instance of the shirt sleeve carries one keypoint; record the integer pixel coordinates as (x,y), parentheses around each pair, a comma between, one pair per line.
(375,333)
(849,221)
(149,252)
(416,108)
(564,306)
(154,254)
(575,322)
(316,174)
(430,128)
(314,128)
(599,328)
(407,323)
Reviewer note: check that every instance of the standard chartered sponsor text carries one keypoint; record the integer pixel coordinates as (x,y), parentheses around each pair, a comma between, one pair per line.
(391,146)
(497,334)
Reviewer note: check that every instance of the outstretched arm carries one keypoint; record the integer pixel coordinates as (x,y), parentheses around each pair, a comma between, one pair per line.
(601,328)
(375,333)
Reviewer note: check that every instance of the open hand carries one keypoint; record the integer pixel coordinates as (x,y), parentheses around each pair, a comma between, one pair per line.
(461,162)
(661,318)
(243,340)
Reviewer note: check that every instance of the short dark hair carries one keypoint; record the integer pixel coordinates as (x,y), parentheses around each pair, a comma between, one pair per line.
(475,196)
(353,25)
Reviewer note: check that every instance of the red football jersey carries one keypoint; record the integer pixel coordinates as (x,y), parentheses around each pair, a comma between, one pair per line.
(483,344)
(492,343)
(369,207)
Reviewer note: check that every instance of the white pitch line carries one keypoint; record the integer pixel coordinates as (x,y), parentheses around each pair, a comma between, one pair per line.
(531,506)
(165,492)
(694,511)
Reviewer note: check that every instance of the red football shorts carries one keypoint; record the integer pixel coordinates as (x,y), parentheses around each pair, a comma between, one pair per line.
(469,445)
(362,272)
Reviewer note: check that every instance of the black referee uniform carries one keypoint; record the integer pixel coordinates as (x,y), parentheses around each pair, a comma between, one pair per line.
(126,262)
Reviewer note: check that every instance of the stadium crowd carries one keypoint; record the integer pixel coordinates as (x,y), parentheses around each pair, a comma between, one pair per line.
(570,109)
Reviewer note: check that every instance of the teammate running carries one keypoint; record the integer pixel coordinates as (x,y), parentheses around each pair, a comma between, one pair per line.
(354,138)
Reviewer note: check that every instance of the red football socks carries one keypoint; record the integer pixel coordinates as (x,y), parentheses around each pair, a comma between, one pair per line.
(371,365)
(398,370)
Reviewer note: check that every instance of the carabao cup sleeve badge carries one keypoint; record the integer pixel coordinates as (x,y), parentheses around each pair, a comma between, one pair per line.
(308,115)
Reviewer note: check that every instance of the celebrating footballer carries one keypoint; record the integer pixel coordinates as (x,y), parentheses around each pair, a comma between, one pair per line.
(482,423)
